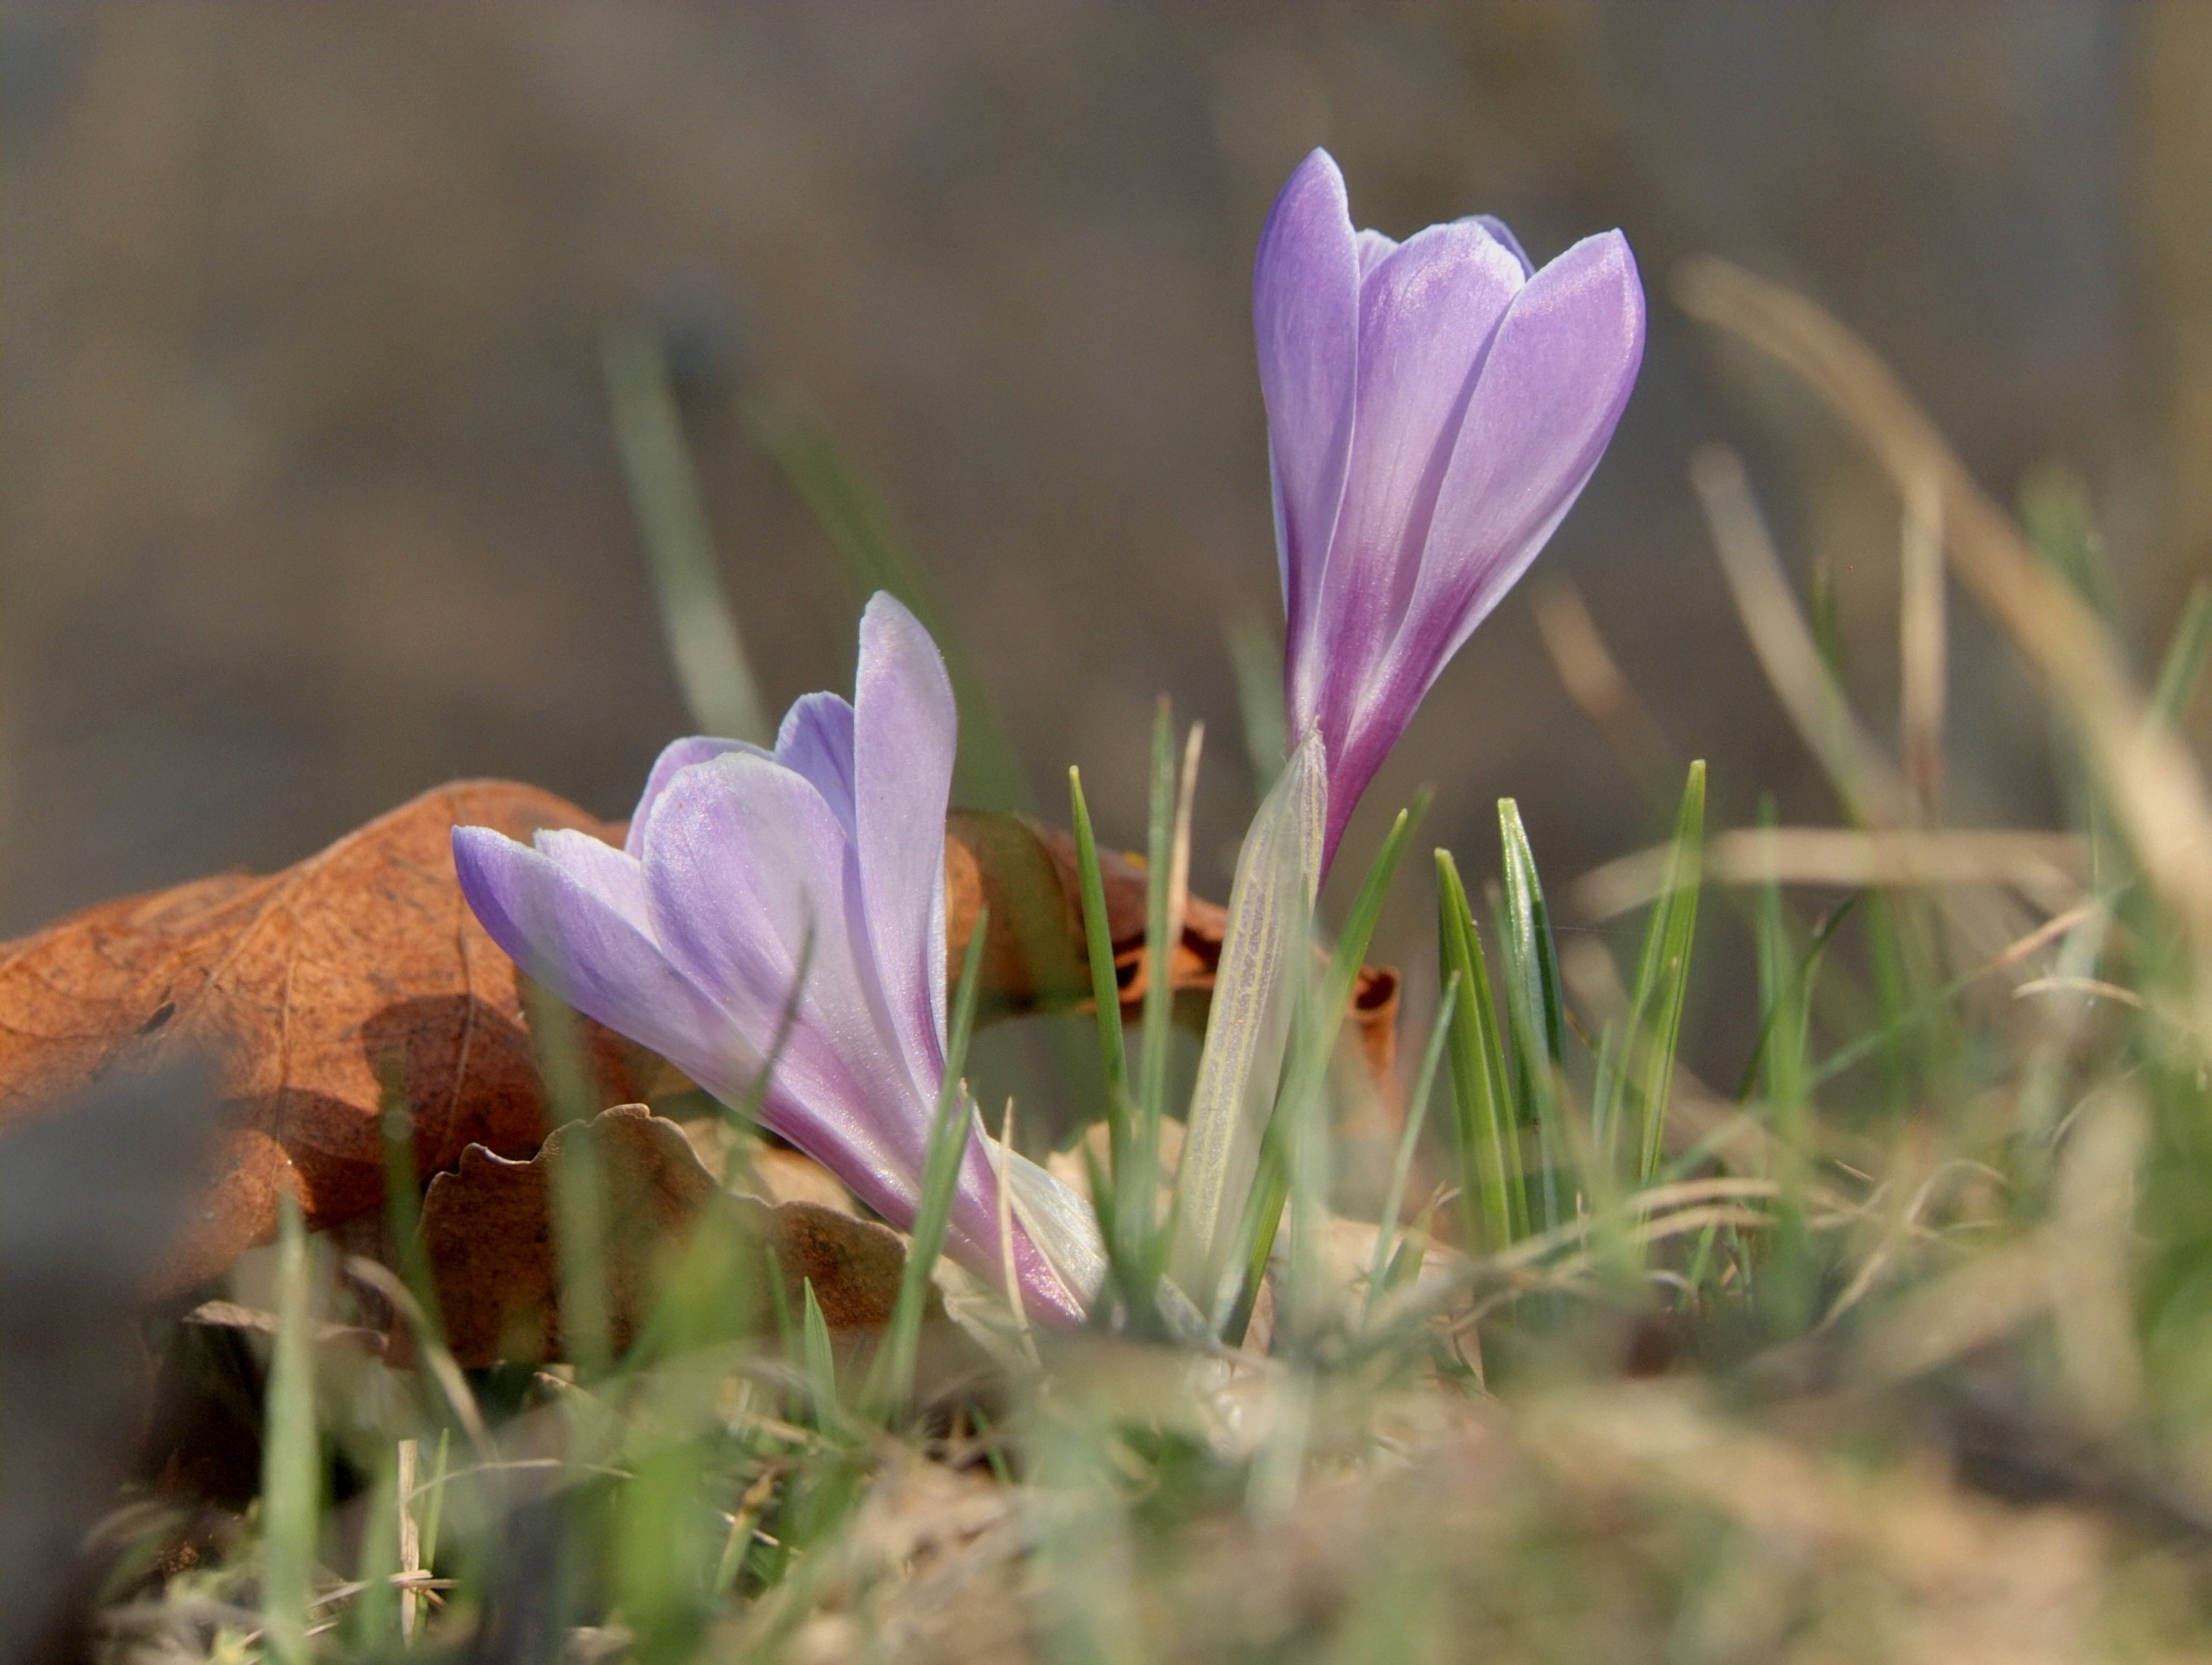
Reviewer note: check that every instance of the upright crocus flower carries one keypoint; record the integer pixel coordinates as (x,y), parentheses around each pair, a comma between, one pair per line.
(806,881)
(1434,408)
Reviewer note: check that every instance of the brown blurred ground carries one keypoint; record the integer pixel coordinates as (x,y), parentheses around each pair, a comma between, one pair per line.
(310,498)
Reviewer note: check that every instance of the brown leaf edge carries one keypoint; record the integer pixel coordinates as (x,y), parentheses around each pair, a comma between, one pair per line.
(489,1232)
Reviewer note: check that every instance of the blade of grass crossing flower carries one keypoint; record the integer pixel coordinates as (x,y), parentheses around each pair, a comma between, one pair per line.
(291,1461)
(1322,1016)
(1533,1006)
(696,614)
(1492,1203)
(891,1380)
(2185,656)
(1662,973)
(1263,956)
(1417,1114)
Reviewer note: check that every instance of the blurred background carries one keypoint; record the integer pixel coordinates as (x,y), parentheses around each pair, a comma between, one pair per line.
(312,499)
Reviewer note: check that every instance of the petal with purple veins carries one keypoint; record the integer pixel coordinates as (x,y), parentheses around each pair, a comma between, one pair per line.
(1550,394)
(1428,313)
(1305,317)
(675,757)
(905,728)
(817,740)
(582,947)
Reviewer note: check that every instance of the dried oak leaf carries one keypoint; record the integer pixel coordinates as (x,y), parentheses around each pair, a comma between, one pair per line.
(489,1228)
(312,989)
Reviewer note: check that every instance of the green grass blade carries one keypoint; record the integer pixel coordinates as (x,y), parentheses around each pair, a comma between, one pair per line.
(987,772)
(1159,990)
(291,1460)
(2185,656)
(891,1379)
(373,1623)
(819,1362)
(1492,1200)
(1316,1035)
(1534,1008)
(1264,956)
(695,615)
(403,1198)
(1662,972)
(1417,1114)
(1098,936)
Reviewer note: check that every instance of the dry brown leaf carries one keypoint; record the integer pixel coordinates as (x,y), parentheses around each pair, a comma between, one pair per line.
(490,1231)
(309,986)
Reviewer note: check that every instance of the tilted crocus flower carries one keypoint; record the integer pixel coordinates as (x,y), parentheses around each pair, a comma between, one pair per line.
(1434,408)
(818,866)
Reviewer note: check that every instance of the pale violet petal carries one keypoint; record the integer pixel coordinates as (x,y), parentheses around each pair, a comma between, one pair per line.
(1427,314)
(676,756)
(1551,393)
(613,875)
(904,731)
(817,740)
(1305,319)
(583,949)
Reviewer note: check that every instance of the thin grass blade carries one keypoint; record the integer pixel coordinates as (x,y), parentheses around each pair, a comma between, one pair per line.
(1098,939)
(987,770)
(1662,974)
(1492,1200)
(1535,1007)
(891,1380)
(1321,1013)
(1417,1114)
(820,1364)
(291,1462)
(2183,663)
(695,615)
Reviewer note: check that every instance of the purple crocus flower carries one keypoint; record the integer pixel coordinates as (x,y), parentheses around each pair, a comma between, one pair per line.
(818,865)
(1434,408)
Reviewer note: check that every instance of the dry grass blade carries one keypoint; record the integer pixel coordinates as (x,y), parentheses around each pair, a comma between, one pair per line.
(2051,868)
(1595,682)
(2155,787)
(1864,777)
(1921,639)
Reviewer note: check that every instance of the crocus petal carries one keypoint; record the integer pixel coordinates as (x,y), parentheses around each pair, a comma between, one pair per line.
(611,875)
(675,757)
(1373,247)
(1503,233)
(583,948)
(817,740)
(1305,315)
(904,730)
(745,880)
(1558,377)
(1427,314)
